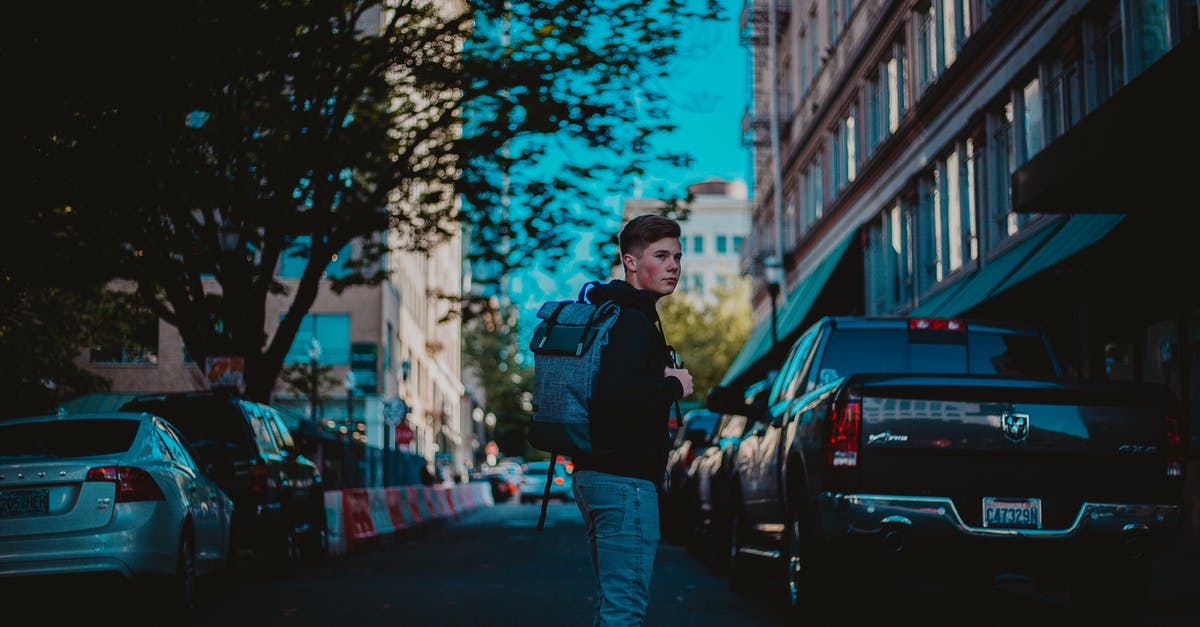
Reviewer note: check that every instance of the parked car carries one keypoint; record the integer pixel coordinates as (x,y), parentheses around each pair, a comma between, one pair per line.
(694,433)
(532,485)
(108,496)
(280,514)
(504,479)
(713,473)
(954,451)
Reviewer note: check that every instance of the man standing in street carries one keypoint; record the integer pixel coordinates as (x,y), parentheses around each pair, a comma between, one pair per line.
(617,492)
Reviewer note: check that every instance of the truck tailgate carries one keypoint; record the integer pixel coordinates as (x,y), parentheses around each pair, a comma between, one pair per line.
(967,439)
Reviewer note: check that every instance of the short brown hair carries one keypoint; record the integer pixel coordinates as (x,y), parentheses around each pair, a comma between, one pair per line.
(644,230)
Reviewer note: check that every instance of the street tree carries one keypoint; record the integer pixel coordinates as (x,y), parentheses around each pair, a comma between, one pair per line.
(707,334)
(206,144)
(490,350)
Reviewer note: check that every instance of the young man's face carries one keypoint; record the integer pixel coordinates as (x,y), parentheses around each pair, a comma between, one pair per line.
(657,268)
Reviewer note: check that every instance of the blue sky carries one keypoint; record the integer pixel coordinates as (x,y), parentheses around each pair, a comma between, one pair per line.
(708,93)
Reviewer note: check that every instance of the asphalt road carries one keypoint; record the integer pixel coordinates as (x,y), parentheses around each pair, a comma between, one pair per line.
(493,568)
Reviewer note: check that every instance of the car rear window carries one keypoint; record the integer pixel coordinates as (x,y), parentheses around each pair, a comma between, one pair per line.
(67,438)
(891,351)
(205,424)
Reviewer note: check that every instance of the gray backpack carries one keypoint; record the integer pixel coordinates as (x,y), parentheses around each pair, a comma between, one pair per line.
(566,346)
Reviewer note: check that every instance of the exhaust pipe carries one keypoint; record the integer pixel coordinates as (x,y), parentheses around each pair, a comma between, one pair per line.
(1134,540)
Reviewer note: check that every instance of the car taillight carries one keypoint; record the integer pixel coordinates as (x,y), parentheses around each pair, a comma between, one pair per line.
(841,450)
(258,478)
(133,484)
(558,481)
(936,324)
(1174,446)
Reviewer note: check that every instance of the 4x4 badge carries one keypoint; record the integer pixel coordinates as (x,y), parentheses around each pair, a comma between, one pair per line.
(1016,426)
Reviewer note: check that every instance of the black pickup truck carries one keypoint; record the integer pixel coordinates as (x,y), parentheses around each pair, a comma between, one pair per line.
(954,449)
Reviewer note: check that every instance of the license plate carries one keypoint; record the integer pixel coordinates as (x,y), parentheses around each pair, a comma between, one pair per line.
(1012,513)
(24,502)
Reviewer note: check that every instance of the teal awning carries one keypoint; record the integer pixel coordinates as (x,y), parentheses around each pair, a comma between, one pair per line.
(1038,252)
(798,303)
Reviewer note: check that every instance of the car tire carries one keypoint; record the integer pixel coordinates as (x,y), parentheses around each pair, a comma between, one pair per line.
(716,546)
(316,547)
(740,571)
(178,593)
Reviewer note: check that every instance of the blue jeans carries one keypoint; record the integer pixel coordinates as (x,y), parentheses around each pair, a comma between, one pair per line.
(621,516)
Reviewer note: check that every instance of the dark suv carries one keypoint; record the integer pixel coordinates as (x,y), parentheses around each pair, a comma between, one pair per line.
(279,502)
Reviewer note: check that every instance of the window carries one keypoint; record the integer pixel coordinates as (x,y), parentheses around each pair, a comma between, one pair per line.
(1150,31)
(139,346)
(887,256)
(843,150)
(925,30)
(698,244)
(1064,93)
(738,240)
(722,243)
(928,253)
(1000,222)
(955,204)
(331,330)
(1108,51)
(956,28)
(1031,119)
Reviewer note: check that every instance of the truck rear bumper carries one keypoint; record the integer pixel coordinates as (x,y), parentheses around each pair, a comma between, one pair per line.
(898,521)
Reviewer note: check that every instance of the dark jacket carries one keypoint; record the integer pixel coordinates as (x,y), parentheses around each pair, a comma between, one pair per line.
(631,401)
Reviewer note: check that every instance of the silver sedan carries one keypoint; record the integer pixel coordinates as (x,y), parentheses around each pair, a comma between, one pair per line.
(108,494)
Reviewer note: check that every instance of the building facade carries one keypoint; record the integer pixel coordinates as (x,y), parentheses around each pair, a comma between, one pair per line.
(977,158)
(712,235)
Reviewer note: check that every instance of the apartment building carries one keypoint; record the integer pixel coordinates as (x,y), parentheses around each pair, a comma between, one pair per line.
(712,236)
(1005,159)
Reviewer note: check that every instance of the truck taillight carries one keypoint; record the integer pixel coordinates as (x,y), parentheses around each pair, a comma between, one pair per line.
(841,451)
(936,324)
(1174,446)
(133,484)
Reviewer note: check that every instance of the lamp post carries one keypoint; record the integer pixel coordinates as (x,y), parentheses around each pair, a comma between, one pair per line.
(773,276)
(314,358)
(349,384)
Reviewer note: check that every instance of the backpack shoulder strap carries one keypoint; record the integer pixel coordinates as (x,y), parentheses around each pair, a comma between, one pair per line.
(546,491)
(585,289)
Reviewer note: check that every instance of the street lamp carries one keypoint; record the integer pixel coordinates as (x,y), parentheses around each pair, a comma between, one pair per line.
(314,358)
(773,275)
(349,384)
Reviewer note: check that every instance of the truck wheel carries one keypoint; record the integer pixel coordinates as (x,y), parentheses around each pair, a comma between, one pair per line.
(807,574)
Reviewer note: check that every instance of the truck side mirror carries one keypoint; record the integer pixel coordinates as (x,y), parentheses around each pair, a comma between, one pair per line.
(728,400)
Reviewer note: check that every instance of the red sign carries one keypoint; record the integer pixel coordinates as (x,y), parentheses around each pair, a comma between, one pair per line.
(404,434)
(222,371)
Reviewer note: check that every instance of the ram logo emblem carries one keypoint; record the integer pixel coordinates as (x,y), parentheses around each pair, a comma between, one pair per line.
(1015,426)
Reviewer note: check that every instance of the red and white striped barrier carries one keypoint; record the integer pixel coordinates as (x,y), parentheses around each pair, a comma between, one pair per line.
(357,516)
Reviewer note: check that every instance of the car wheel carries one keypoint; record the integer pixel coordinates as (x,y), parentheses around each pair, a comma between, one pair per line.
(178,592)
(739,570)
(717,544)
(316,548)
(285,550)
